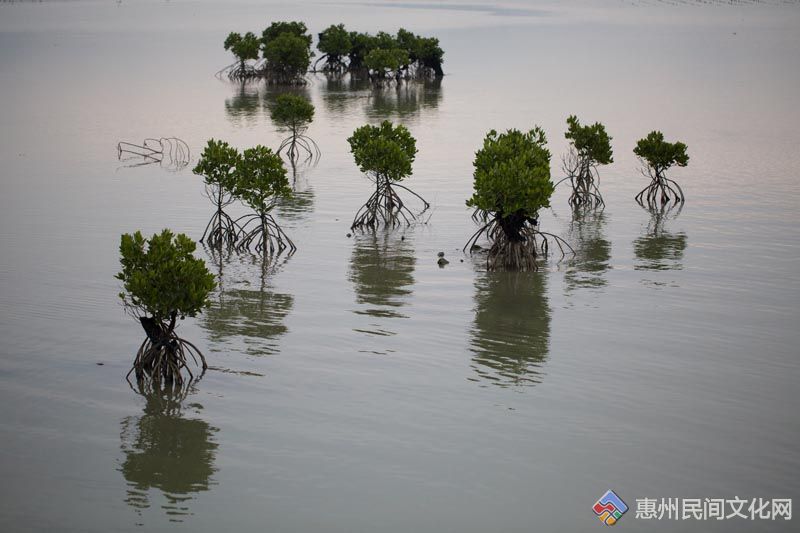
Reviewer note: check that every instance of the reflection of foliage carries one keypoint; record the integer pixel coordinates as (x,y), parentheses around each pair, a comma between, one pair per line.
(164,450)
(382,271)
(341,94)
(659,249)
(404,100)
(254,316)
(593,250)
(245,104)
(511,331)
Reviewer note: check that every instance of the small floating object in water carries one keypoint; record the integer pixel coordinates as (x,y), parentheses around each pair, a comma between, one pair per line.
(440,254)
(349,235)
(442,262)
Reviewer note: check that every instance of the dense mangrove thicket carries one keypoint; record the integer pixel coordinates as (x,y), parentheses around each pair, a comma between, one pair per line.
(217,165)
(383,57)
(294,113)
(658,156)
(285,49)
(512,184)
(385,153)
(590,147)
(162,282)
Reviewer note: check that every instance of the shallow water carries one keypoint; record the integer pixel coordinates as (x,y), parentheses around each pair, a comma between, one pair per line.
(357,386)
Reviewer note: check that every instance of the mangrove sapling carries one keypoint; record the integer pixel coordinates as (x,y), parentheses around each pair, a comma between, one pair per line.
(244,48)
(512,183)
(276,29)
(386,65)
(169,152)
(260,182)
(657,156)
(590,147)
(163,281)
(294,113)
(385,153)
(335,45)
(217,165)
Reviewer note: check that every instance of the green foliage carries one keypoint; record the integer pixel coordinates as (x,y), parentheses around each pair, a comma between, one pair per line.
(217,165)
(385,61)
(362,44)
(659,154)
(162,277)
(512,174)
(429,54)
(261,179)
(384,40)
(591,142)
(243,47)
(386,151)
(276,29)
(288,55)
(335,42)
(292,111)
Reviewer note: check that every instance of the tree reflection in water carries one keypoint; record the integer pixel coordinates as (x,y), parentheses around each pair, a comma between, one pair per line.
(404,100)
(593,250)
(658,249)
(242,314)
(511,331)
(382,273)
(165,450)
(244,106)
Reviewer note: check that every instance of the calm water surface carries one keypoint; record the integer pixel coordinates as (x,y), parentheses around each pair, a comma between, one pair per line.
(357,386)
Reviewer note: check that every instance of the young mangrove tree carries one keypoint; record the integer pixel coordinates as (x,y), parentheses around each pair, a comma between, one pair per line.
(657,156)
(162,282)
(385,153)
(244,48)
(590,147)
(217,165)
(260,182)
(512,184)
(294,113)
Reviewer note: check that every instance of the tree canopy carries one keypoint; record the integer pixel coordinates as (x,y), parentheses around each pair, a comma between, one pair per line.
(591,142)
(161,278)
(512,174)
(335,42)
(386,151)
(659,154)
(383,62)
(291,111)
(243,48)
(288,56)
(217,164)
(261,179)
(276,29)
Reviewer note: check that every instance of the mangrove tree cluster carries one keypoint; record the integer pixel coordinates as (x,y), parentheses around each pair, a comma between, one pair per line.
(257,177)
(382,57)
(285,54)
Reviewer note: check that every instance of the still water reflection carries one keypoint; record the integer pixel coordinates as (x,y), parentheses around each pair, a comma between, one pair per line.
(246,310)
(592,250)
(658,248)
(166,450)
(382,272)
(511,330)
(344,95)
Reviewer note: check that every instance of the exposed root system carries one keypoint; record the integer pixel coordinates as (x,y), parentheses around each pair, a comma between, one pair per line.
(585,181)
(299,146)
(171,153)
(263,234)
(241,71)
(660,192)
(387,207)
(221,230)
(518,248)
(163,356)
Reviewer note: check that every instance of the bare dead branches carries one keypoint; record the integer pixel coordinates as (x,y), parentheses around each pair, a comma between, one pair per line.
(171,153)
